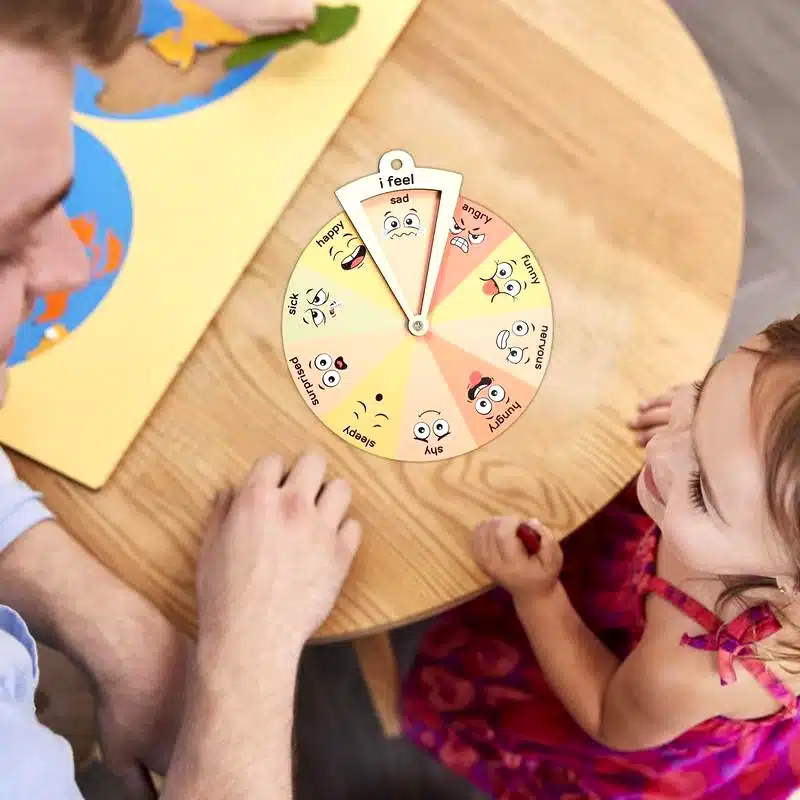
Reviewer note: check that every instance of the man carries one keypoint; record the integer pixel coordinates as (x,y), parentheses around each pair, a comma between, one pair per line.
(276,553)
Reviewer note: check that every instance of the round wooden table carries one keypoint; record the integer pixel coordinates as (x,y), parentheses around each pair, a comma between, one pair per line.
(599,131)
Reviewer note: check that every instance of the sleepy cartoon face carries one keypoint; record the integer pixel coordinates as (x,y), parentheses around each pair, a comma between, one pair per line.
(321,307)
(516,352)
(466,236)
(489,397)
(504,282)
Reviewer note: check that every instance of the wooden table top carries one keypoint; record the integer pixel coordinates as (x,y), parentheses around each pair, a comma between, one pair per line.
(599,130)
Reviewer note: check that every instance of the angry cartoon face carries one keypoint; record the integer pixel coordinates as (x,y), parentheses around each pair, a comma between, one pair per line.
(465,236)
(431,423)
(331,370)
(515,353)
(321,308)
(348,252)
(486,394)
(503,282)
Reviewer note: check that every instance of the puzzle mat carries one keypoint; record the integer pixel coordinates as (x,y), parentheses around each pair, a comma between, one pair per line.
(417,324)
(88,368)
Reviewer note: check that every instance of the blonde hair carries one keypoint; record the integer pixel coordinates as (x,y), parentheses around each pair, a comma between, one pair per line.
(97,30)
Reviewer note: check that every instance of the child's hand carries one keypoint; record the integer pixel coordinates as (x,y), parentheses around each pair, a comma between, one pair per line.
(257,17)
(653,415)
(504,558)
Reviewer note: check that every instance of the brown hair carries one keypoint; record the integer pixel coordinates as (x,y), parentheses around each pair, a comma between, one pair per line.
(97,30)
(780,453)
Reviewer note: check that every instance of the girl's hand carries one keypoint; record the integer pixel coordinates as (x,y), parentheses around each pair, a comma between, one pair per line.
(503,557)
(653,415)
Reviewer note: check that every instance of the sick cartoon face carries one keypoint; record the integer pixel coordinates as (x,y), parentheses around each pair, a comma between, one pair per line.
(486,394)
(330,369)
(362,412)
(502,282)
(515,353)
(348,252)
(321,308)
(466,236)
(431,423)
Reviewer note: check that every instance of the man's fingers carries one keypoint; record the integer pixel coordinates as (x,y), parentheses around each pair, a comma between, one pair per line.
(266,473)
(307,476)
(334,501)
(349,541)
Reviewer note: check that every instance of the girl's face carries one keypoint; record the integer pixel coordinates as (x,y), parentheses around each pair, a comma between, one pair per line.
(703,481)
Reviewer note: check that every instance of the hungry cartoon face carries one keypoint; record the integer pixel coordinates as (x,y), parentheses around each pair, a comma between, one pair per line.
(431,423)
(503,282)
(466,235)
(486,394)
(516,353)
(331,370)
(348,252)
(363,413)
(321,307)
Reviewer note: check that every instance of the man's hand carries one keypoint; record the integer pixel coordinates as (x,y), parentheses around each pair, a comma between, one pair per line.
(140,709)
(259,17)
(274,560)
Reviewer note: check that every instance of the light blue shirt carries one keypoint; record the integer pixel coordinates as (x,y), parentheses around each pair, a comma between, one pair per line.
(35,764)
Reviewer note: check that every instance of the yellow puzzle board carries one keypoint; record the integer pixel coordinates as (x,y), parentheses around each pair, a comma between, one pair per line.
(207,187)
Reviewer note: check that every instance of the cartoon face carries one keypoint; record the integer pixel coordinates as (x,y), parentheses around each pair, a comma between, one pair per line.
(321,308)
(330,370)
(348,252)
(364,414)
(466,236)
(503,282)
(486,394)
(431,423)
(407,224)
(516,353)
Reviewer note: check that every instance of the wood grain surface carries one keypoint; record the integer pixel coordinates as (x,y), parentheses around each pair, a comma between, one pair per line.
(597,131)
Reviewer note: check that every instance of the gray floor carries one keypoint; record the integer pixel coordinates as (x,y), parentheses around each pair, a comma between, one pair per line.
(754,48)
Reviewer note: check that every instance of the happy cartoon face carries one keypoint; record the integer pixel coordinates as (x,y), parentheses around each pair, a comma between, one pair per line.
(466,236)
(321,307)
(431,423)
(503,282)
(370,413)
(488,396)
(516,353)
(330,370)
(348,252)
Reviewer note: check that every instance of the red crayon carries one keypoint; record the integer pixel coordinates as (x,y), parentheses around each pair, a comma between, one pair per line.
(530,538)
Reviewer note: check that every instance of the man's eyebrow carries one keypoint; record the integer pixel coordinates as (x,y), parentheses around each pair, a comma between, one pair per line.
(29,215)
(704,482)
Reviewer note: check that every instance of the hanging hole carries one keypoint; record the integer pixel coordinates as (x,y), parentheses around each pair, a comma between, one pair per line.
(397,163)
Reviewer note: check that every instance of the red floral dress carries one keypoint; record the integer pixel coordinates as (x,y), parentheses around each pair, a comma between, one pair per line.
(478,702)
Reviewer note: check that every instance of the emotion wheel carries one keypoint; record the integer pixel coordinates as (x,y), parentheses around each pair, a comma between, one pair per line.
(468,378)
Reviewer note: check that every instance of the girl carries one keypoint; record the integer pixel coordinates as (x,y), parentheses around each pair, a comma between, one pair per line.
(657,655)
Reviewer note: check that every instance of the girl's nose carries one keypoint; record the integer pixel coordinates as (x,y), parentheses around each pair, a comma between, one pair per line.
(664,454)
(57,259)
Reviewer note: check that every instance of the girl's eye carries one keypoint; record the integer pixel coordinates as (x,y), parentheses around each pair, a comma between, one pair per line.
(696,493)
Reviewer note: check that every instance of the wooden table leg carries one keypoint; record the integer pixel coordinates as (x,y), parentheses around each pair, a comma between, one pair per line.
(378,663)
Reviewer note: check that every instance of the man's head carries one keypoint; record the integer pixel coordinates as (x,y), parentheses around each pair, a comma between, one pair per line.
(38,42)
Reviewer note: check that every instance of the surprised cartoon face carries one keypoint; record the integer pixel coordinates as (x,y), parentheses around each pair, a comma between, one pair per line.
(331,370)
